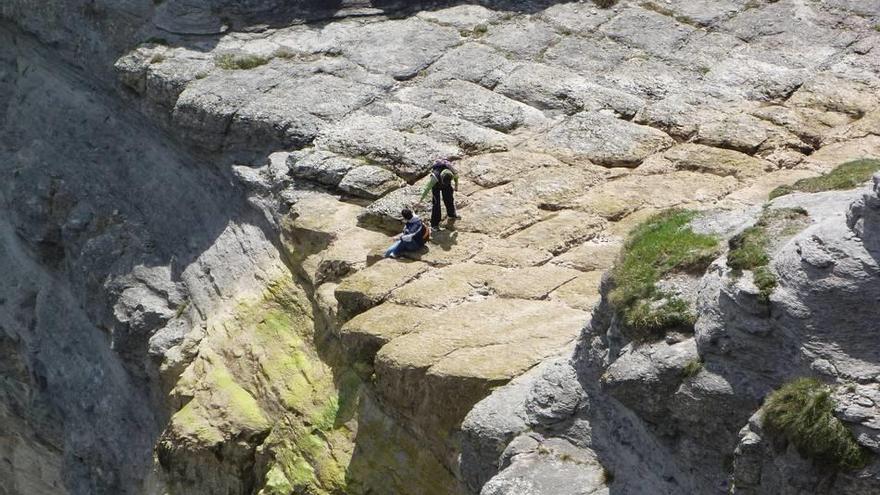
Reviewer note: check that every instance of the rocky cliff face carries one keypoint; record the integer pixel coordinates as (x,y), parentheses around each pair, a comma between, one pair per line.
(681,415)
(197,192)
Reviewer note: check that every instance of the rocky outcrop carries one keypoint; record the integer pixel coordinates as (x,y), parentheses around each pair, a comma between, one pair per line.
(696,397)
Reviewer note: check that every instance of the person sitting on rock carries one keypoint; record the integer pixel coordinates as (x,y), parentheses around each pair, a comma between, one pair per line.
(440,182)
(413,237)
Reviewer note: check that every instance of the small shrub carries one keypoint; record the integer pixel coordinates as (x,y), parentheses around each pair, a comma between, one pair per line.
(877,27)
(478,31)
(231,61)
(692,368)
(802,412)
(605,3)
(157,41)
(845,176)
(607,476)
(158,58)
(765,281)
(748,249)
(661,245)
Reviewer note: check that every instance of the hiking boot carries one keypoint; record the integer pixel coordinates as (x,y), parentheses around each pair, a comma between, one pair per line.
(436,228)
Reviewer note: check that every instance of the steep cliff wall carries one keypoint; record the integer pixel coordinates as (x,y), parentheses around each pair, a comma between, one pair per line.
(116,243)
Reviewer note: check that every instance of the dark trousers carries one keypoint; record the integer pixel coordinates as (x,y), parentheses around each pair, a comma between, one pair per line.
(446,192)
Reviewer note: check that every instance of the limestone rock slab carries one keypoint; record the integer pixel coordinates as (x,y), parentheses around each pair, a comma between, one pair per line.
(604,139)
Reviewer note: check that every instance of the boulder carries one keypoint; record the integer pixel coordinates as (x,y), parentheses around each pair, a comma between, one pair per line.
(370,181)
(407,154)
(474,103)
(384,213)
(651,31)
(399,48)
(717,161)
(550,88)
(603,139)
(524,39)
(320,166)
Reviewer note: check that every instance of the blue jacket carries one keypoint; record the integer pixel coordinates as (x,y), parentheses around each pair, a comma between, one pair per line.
(412,231)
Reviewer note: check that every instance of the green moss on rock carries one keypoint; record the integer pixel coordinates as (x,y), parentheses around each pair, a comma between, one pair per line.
(749,250)
(802,412)
(662,245)
(231,61)
(262,363)
(845,176)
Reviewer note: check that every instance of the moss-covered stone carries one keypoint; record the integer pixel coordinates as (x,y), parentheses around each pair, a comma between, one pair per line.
(661,245)
(750,249)
(802,412)
(260,363)
(845,176)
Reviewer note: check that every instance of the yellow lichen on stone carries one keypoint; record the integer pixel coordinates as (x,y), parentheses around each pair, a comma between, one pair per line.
(220,406)
(263,363)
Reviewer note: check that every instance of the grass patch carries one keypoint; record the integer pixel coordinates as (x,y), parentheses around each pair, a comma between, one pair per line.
(692,368)
(605,3)
(801,412)
(749,248)
(607,476)
(181,308)
(478,31)
(231,61)
(661,245)
(846,176)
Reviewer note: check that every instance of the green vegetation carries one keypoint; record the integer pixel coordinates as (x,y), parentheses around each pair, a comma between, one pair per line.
(692,368)
(178,312)
(846,176)
(605,3)
(802,412)
(667,12)
(661,245)
(479,30)
(607,476)
(877,27)
(158,58)
(230,61)
(749,248)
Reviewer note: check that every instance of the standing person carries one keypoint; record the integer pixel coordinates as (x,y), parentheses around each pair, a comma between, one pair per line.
(413,237)
(440,182)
